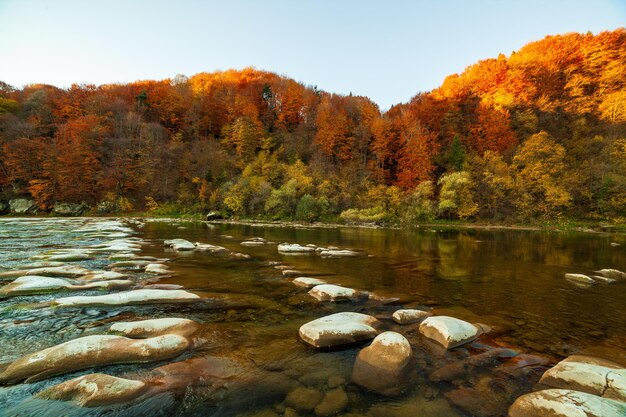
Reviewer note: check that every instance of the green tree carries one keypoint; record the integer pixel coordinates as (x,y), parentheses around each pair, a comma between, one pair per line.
(455,197)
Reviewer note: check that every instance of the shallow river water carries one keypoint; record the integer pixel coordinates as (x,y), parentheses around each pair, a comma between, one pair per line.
(512,281)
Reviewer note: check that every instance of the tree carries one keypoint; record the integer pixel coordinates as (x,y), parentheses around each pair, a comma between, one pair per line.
(455,197)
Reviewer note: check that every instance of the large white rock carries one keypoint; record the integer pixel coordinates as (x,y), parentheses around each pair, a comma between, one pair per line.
(565,403)
(330,292)
(155,327)
(290,248)
(158,269)
(95,390)
(580,278)
(179,244)
(102,276)
(307,282)
(339,329)
(144,296)
(587,374)
(381,367)
(408,316)
(448,331)
(91,351)
(32,284)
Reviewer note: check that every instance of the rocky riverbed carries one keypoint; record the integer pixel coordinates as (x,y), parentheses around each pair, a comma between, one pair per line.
(141,317)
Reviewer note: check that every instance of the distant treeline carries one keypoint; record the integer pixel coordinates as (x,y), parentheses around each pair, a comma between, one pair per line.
(538,135)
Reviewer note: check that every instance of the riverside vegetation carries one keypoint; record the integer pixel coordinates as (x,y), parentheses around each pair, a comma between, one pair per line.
(536,136)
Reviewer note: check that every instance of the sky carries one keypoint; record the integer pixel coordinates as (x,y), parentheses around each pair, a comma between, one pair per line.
(386,50)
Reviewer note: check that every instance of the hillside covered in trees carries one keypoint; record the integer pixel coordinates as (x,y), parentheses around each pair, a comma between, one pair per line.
(540,134)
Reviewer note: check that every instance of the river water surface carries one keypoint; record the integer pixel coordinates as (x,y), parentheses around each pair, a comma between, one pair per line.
(513,281)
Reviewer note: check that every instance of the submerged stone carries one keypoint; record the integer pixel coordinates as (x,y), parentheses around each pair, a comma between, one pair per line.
(95,390)
(339,329)
(179,244)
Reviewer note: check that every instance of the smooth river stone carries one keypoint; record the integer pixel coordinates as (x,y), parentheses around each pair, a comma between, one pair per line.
(156,327)
(307,282)
(381,367)
(179,244)
(144,296)
(330,292)
(69,257)
(341,253)
(158,269)
(339,329)
(69,271)
(449,332)
(36,284)
(565,403)
(409,316)
(579,278)
(588,374)
(205,247)
(91,351)
(612,273)
(294,248)
(95,390)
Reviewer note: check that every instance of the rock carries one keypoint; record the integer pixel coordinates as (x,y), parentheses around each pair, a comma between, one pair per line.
(69,209)
(339,253)
(213,215)
(69,257)
(474,403)
(156,327)
(179,244)
(144,296)
(408,316)
(304,399)
(612,273)
(330,292)
(95,390)
(158,269)
(334,402)
(23,206)
(102,276)
(33,284)
(335,381)
(53,271)
(381,367)
(339,329)
(565,403)
(588,374)
(579,278)
(91,351)
(291,248)
(448,331)
(252,243)
(307,282)
(205,247)
(291,272)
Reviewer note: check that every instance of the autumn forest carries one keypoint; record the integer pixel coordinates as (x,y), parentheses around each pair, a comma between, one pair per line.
(539,135)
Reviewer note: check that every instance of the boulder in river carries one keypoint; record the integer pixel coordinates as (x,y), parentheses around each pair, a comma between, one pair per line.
(32,284)
(91,351)
(449,332)
(53,271)
(143,296)
(205,247)
(294,248)
(565,403)
(307,282)
(587,374)
(95,390)
(580,279)
(155,327)
(381,367)
(70,256)
(339,253)
(339,329)
(409,316)
(179,244)
(158,269)
(330,292)
(23,206)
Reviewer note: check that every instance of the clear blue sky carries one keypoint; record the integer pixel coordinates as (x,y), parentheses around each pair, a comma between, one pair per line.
(387,50)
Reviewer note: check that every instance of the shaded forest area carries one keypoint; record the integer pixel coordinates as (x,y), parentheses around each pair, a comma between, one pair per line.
(538,135)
